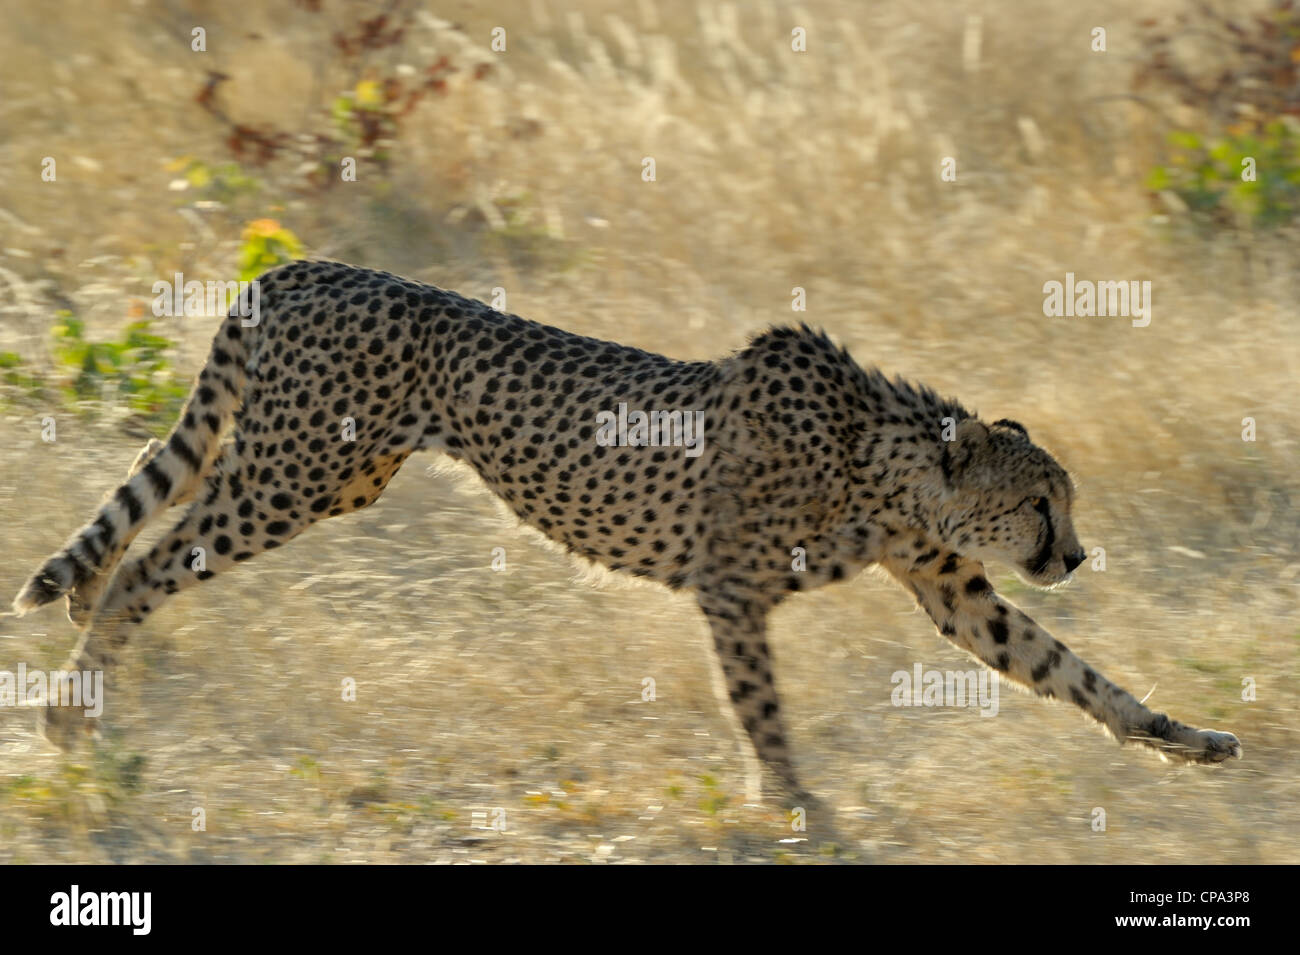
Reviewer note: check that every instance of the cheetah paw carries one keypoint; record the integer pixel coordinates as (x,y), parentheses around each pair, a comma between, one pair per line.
(80,611)
(1187,744)
(1210,746)
(64,727)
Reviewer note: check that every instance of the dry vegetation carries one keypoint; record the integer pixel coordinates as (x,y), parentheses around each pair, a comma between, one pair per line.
(521,690)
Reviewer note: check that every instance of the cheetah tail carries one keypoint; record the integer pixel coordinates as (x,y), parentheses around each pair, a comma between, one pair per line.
(178,465)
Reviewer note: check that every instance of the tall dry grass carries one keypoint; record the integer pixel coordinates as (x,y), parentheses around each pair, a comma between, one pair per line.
(774,170)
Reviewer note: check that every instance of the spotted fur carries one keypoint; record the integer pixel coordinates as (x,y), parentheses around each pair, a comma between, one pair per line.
(802,448)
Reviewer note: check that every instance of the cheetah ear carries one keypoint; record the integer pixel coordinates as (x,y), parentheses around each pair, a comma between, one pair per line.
(1013,425)
(969,440)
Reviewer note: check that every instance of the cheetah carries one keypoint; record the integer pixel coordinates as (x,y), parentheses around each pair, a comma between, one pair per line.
(802,451)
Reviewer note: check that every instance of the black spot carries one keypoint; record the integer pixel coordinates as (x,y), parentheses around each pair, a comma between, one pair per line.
(162,484)
(126,497)
(1041,671)
(1161,727)
(177,444)
(998,631)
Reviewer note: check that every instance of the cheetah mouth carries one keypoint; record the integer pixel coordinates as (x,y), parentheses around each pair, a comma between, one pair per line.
(1038,575)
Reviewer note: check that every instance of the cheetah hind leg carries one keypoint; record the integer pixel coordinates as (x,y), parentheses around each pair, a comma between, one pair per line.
(139,588)
(83,598)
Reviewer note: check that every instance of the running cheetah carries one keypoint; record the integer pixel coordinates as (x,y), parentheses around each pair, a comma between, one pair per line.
(800,451)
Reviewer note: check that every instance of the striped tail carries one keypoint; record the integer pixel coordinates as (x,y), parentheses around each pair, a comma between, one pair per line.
(171,474)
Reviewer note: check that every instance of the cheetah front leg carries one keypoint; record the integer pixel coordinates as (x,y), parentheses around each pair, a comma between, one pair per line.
(739,629)
(956,594)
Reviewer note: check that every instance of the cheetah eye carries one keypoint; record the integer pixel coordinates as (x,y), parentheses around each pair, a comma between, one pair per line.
(1038,503)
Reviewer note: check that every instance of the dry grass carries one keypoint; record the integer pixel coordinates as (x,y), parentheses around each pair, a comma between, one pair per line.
(521,690)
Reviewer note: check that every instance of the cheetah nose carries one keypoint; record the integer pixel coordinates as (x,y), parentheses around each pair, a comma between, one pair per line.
(1073,560)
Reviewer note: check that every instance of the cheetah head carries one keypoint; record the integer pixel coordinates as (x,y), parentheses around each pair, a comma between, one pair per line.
(1006,499)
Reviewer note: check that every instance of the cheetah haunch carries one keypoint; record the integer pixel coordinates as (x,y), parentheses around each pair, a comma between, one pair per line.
(802,449)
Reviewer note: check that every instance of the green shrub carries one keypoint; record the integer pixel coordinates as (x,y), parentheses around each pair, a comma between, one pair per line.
(135,367)
(266,244)
(1242,178)
(1237,71)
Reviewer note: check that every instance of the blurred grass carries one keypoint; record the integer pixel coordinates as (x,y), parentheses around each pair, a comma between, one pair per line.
(521,690)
